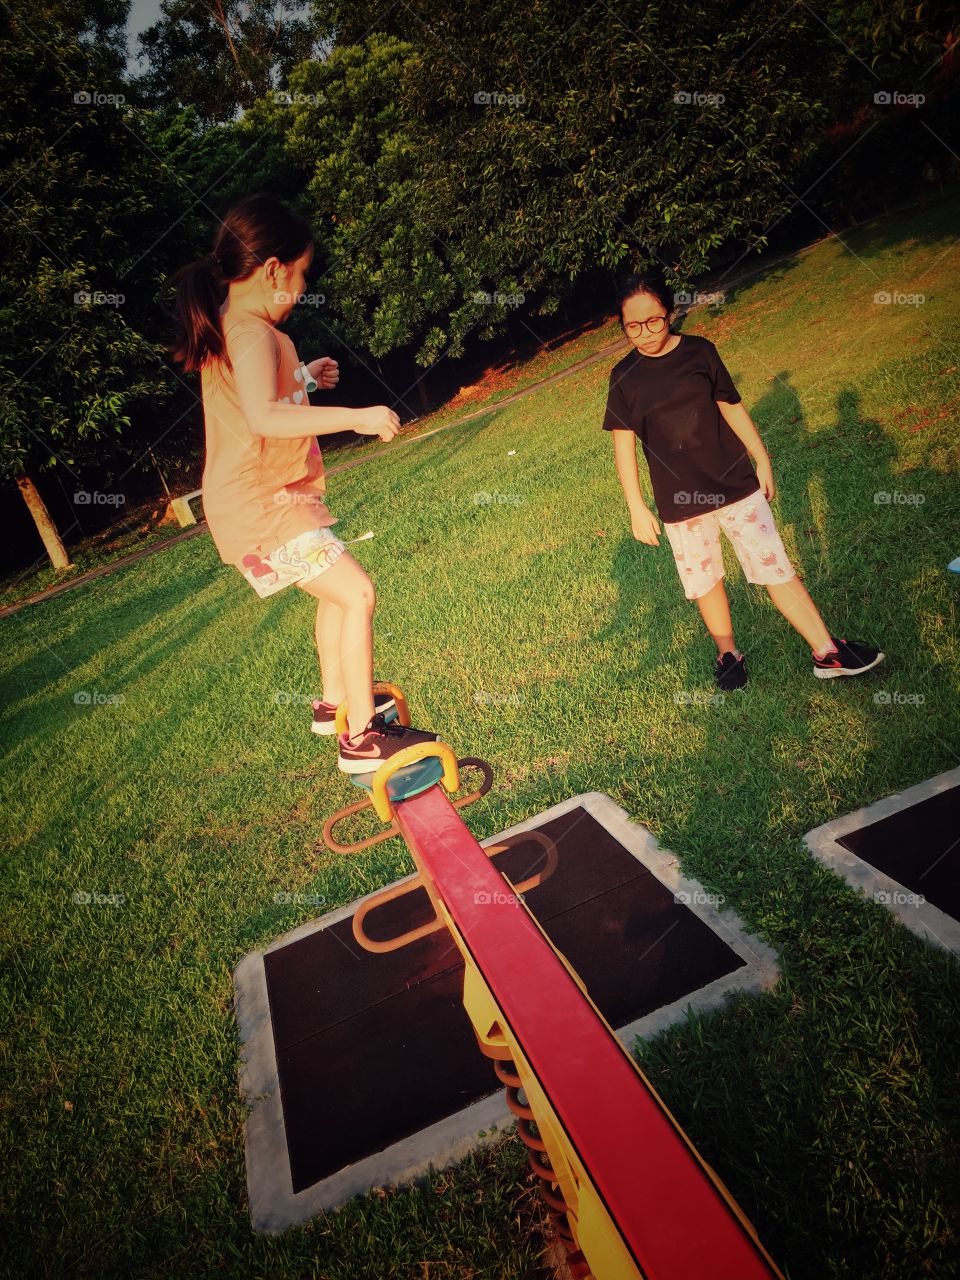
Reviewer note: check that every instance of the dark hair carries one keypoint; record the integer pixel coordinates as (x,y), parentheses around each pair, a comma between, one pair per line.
(648,282)
(258,227)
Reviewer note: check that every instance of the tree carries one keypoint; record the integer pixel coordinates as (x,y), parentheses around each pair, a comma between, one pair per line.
(504,151)
(384,280)
(219,56)
(73,215)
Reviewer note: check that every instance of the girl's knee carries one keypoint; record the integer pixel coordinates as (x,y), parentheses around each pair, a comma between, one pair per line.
(363,594)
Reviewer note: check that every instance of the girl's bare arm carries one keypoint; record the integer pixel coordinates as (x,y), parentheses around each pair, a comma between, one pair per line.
(642,520)
(625,453)
(253,354)
(741,424)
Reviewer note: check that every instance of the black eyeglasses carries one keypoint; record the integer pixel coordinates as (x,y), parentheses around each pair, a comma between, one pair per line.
(655,324)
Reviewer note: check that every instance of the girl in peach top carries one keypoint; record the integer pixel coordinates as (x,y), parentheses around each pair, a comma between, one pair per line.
(263,480)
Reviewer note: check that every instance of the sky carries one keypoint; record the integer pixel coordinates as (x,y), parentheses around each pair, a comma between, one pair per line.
(143,14)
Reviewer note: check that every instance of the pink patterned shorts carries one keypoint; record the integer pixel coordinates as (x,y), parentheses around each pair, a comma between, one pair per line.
(299,560)
(750,526)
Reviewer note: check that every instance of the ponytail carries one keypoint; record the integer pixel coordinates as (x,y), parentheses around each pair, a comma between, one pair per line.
(200,292)
(257,228)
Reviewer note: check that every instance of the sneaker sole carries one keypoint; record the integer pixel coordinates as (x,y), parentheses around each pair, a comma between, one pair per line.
(832,673)
(370,765)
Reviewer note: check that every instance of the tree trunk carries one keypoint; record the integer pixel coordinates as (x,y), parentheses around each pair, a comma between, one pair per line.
(45,526)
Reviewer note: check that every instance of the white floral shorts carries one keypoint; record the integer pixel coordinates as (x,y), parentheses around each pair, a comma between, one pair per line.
(300,560)
(752,530)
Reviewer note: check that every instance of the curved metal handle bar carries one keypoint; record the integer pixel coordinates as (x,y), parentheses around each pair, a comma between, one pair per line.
(412,755)
(410,886)
(538,837)
(466,762)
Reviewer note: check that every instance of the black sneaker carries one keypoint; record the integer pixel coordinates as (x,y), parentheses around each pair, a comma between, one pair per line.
(731,671)
(849,658)
(365,752)
(325,713)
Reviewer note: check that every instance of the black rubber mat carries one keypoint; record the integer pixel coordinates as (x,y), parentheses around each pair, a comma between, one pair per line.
(372,1048)
(918,847)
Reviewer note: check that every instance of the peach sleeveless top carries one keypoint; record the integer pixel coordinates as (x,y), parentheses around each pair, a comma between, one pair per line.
(258,492)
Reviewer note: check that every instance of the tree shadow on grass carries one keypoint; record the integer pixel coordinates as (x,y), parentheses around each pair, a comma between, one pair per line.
(88,693)
(932,224)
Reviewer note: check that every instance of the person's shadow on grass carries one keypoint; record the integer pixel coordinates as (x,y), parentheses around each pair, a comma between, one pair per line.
(778,758)
(780,1110)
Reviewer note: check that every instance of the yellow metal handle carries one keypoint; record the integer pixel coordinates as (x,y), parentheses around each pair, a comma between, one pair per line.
(412,755)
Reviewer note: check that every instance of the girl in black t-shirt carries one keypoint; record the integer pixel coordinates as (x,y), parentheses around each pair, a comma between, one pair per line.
(673,393)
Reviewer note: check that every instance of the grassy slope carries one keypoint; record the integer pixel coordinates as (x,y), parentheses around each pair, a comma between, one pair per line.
(141,527)
(829,1107)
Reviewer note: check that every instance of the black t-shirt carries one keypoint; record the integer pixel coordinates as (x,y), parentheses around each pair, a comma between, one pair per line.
(697,463)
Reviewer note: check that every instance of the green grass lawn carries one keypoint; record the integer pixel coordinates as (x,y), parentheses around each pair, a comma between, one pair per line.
(141,528)
(90,553)
(188,786)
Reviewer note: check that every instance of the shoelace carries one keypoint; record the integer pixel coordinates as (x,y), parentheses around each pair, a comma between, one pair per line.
(378,724)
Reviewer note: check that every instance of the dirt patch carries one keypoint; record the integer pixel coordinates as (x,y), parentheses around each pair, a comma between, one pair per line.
(493,380)
(902,419)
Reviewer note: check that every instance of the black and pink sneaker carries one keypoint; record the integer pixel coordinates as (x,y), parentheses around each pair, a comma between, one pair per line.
(325,713)
(848,658)
(365,752)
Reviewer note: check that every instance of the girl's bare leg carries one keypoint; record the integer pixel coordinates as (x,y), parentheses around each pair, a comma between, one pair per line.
(327,632)
(793,601)
(347,586)
(715,610)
